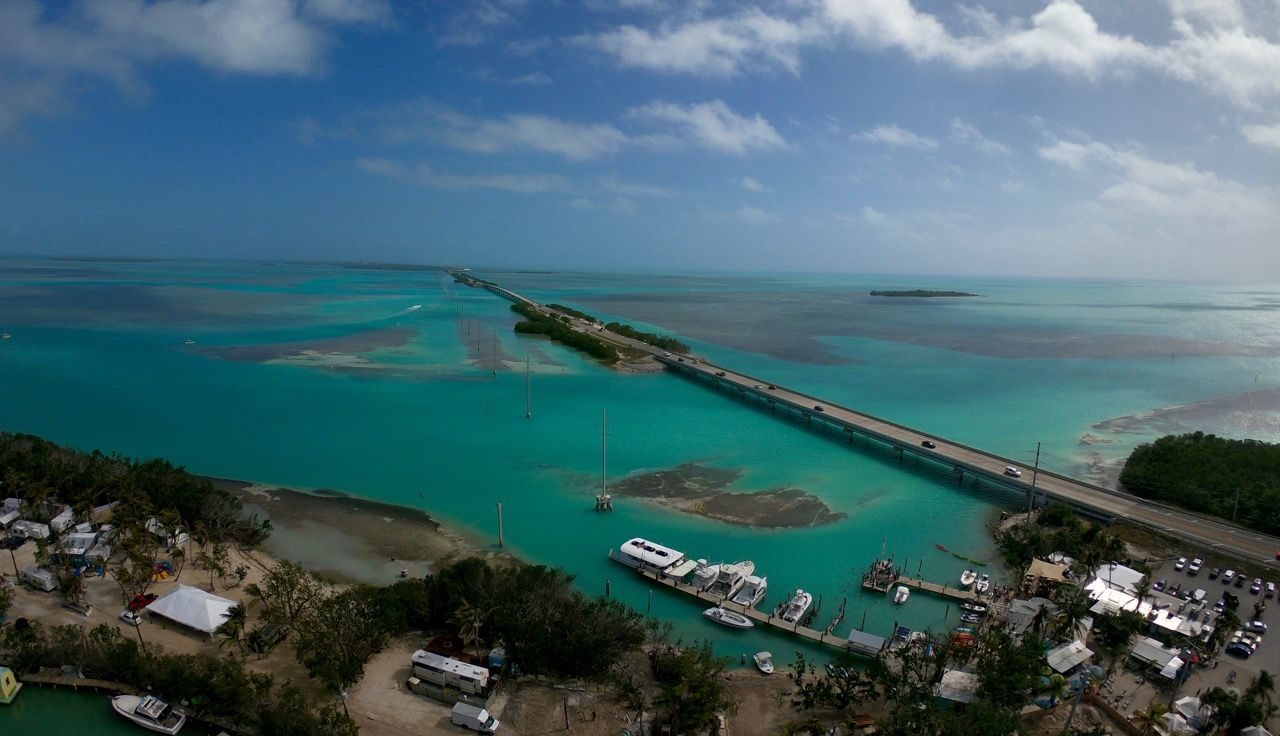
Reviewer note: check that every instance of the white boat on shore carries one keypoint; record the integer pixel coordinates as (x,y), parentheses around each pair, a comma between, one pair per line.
(983,584)
(968,578)
(732,619)
(731,578)
(752,591)
(901,595)
(796,606)
(150,712)
(764,662)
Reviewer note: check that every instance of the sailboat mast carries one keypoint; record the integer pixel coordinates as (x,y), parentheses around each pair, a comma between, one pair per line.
(604,453)
(528,391)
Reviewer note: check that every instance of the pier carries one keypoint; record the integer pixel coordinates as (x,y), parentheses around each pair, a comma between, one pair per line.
(759,617)
(963,462)
(883,576)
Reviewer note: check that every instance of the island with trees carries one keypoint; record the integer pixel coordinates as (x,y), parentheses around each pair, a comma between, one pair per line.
(920,293)
(1237,480)
(557,329)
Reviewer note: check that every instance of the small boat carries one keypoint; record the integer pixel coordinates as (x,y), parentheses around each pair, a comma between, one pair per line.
(901,594)
(764,661)
(967,578)
(796,606)
(970,618)
(150,712)
(901,637)
(751,592)
(188,341)
(731,619)
(974,607)
(5,336)
(942,547)
(983,584)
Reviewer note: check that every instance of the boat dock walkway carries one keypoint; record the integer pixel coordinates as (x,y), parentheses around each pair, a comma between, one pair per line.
(759,617)
(883,576)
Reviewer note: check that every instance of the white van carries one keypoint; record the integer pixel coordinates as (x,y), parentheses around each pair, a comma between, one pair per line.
(474,718)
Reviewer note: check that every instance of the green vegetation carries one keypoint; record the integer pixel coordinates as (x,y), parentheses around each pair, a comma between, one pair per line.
(40,472)
(537,323)
(658,341)
(216,687)
(692,689)
(573,312)
(1205,473)
(1058,529)
(921,293)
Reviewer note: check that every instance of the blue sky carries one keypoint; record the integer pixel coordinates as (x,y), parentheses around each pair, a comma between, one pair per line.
(1050,137)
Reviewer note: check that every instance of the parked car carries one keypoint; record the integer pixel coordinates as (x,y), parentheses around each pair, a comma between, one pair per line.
(140,602)
(1220,606)
(1181,564)
(1194,567)
(133,618)
(1227,577)
(1256,587)
(1013,472)
(1239,581)
(1213,574)
(1233,600)
(1173,589)
(1256,627)
(928,445)
(1271,589)
(1158,585)
(1239,649)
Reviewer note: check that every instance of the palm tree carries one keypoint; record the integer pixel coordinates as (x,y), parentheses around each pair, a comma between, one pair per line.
(469,620)
(1073,607)
(1261,689)
(232,629)
(1142,589)
(1150,717)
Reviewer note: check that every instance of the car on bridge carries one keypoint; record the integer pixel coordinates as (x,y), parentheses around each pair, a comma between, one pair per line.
(817,407)
(1013,472)
(928,445)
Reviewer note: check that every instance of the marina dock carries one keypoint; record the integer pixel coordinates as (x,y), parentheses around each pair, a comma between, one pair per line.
(759,617)
(883,576)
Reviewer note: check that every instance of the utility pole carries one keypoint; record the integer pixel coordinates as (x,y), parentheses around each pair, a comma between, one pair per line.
(1035,474)
(528,390)
(1236,508)
(495,354)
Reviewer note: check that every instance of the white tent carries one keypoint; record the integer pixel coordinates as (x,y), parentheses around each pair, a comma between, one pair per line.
(1255,731)
(1172,724)
(193,608)
(1191,708)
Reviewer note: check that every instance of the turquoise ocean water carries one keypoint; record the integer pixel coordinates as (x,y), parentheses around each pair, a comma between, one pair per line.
(409,410)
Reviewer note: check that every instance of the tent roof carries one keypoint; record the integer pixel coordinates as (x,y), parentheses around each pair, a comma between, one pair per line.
(193,608)
(958,686)
(1047,570)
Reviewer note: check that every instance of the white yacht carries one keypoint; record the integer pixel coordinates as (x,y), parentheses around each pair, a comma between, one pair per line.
(704,575)
(901,594)
(732,619)
(983,584)
(652,557)
(731,578)
(150,712)
(796,606)
(752,591)
(967,578)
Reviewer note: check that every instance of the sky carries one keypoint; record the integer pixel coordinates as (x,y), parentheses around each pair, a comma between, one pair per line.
(1061,138)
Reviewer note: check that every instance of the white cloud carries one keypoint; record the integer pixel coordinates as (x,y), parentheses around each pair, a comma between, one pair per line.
(751,185)
(48,52)
(714,125)
(757,216)
(1215,44)
(893,135)
(423,175)
(1267,136)
(619,205)
(718,47)
(967,134)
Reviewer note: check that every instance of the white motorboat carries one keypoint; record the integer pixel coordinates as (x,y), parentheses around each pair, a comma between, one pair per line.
(705,575)
(150,712)
(5,336)
(974,607)
(796,606)
(652,557)
(732,619)
(983,584)
(967,578)
(752,591)
(731,578)
(901,594)
(764,661)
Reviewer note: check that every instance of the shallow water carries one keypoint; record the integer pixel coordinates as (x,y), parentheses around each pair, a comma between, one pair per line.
(100,357)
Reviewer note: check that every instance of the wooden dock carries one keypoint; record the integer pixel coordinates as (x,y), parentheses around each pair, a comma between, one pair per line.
(945,591)
(759,617)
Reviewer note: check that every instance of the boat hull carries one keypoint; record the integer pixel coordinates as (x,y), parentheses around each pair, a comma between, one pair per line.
(728,618)
(124,705)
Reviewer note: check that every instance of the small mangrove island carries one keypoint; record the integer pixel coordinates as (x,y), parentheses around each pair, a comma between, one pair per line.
(702,490)
(1231,479)
(921,293)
